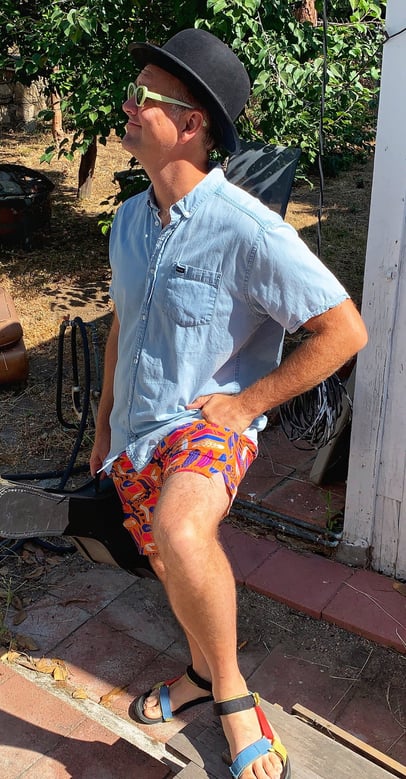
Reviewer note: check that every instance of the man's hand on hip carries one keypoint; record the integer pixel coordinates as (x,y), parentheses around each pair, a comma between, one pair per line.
(224,410)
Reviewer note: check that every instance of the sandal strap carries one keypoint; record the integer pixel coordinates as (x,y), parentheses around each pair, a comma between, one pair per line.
(165,704)
(267,731)
(249,755)
(268,742)
(163,691)
(194,677)
(240,703)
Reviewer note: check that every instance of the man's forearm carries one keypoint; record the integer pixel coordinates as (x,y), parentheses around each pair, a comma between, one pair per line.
(107,395)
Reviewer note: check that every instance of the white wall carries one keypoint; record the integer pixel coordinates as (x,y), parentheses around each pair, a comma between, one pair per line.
(375,515)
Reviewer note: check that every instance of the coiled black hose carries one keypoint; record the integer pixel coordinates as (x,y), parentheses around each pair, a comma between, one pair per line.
(81,409)
(312,417)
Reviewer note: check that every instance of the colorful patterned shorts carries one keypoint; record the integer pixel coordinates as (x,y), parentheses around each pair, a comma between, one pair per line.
(196,446)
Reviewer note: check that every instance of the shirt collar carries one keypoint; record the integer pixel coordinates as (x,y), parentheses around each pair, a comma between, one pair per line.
(189,203)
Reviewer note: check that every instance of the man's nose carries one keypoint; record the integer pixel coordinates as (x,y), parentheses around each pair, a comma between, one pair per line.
(129,106)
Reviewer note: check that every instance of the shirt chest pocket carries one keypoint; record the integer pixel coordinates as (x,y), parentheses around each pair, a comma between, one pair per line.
(191,294)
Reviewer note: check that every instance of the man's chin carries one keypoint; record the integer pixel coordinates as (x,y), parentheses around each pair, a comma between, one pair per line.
(128,143)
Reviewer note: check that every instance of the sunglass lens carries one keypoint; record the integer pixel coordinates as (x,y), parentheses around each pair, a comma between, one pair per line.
(140,94)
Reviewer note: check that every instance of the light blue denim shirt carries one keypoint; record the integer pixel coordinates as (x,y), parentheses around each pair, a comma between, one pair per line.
(203,305)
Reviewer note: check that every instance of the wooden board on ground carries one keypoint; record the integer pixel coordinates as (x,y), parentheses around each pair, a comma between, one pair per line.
(313,755)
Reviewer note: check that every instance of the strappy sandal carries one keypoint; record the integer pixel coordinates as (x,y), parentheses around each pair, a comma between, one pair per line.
(136,709)
(268,742)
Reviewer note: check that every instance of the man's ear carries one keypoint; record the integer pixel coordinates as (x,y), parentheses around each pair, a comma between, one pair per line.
(194,122)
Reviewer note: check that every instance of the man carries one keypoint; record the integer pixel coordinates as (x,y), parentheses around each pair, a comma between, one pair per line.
(205,280)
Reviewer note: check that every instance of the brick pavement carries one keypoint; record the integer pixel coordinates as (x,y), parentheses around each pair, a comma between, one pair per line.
(116,637)
(312,631)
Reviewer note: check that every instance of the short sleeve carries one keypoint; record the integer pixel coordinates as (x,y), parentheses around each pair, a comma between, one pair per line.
(288,282)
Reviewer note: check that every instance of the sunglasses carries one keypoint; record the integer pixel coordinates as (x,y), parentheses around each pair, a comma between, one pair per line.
(141,93)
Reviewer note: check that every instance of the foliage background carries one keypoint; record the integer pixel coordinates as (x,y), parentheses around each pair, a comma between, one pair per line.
(80,47)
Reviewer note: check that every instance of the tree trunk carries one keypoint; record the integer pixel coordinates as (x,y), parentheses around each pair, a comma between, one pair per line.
(57,129)
(86,171)
(305,11)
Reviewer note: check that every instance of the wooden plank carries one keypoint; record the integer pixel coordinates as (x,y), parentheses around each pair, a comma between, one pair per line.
(338,734)
(385,252)
(385,537)
(203,743)
(312,754)
(401,558)
(193,771)
(392,464)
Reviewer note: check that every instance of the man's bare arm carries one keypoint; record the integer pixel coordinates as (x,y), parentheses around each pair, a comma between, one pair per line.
(336,336)
(102,437)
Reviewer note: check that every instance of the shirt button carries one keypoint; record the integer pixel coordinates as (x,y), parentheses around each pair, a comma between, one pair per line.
(144,317)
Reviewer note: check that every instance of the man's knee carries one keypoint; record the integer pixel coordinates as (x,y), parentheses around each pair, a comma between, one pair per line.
(157,566)
(183,538)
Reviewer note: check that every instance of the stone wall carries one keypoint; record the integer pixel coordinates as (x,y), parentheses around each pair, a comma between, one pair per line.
(20,105)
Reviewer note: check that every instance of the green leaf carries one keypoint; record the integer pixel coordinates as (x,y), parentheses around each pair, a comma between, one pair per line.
(47,156)
(93,116)
(71,16)
(46,114)
(217,5)
(84,23)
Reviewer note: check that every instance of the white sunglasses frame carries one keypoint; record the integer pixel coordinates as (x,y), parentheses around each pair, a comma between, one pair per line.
(146,93)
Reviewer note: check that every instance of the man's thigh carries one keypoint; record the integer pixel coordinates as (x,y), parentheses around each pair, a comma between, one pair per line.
(192,497)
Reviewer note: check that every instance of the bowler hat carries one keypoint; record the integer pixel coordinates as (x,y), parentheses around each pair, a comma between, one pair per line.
(210,70)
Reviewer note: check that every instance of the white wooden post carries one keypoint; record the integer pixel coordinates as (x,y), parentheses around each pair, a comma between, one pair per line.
(375,515)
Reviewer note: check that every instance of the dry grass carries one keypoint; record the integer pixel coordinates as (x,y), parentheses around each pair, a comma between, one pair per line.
(68,274)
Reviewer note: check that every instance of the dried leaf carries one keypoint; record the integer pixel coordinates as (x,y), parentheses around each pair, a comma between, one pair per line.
(20,617)
(26,662)
(60,673)
(105,700)
(30,547)
(27,557)
(400,588)
(80,694)
(25,642)
(16,602)
(73,600)
(53,560)
(36,573)
(45,665)
(4,594)
(61,684)
(10,657)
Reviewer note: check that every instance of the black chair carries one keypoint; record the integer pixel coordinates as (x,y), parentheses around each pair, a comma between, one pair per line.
(92,515)
(267,172)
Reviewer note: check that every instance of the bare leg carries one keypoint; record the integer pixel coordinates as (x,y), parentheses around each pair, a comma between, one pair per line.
(201,590)
(183,690)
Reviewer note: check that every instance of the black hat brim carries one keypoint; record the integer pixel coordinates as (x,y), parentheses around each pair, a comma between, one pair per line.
(148,53)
